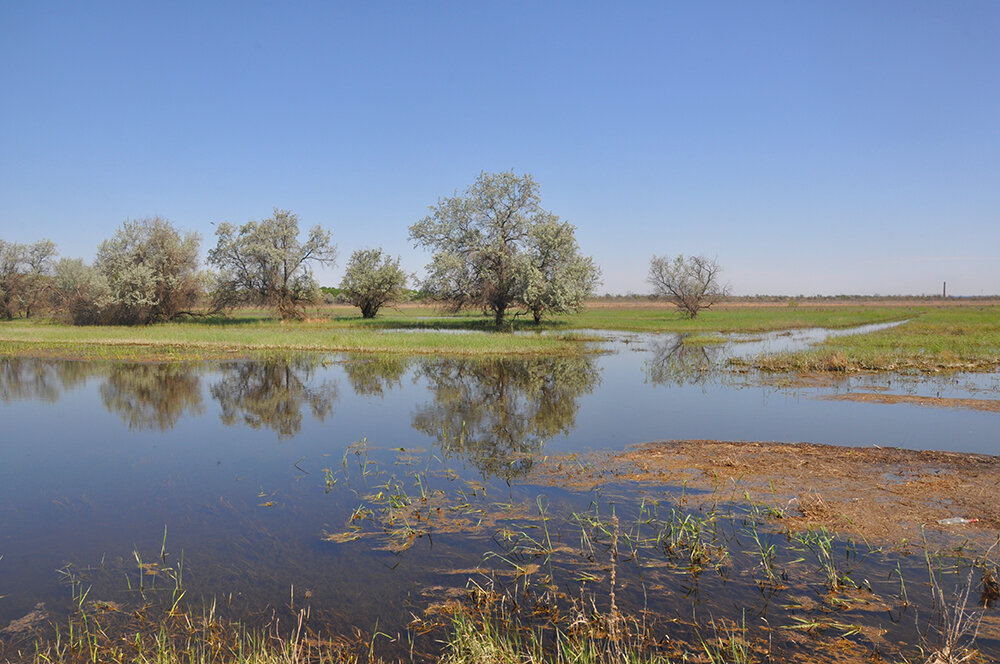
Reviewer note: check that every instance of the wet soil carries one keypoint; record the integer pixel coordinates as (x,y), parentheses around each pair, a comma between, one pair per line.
(883,495)
(988,405)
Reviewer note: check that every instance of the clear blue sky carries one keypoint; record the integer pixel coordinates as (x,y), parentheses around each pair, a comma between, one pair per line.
(812,147)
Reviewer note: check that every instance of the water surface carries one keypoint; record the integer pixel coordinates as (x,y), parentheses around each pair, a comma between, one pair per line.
(250,467)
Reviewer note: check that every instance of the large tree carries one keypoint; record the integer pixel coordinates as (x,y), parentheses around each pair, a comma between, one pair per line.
(81,292)
(557,277)
(265,263)
(690,282)
(372,280)
(151,270)
(483,241)
(24,276)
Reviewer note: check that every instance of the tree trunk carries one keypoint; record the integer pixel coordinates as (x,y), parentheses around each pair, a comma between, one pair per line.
(537,316)
(499,316)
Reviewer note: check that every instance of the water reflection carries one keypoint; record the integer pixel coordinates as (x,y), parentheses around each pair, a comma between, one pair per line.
(498,413)
(152,396)
(674,362)
(374,375)
(272,395)
(40,380)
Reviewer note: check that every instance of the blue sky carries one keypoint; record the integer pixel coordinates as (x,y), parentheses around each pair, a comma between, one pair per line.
(812,147)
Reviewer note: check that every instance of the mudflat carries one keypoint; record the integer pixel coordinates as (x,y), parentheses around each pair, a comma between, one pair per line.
(885,495)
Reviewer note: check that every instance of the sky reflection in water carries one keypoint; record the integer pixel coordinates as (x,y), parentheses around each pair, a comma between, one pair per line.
(234,458)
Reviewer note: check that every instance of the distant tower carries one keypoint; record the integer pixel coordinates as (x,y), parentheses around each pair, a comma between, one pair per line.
(944,289)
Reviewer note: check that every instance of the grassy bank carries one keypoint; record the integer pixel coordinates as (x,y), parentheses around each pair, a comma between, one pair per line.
(650,318)
(951,339)
(252,337)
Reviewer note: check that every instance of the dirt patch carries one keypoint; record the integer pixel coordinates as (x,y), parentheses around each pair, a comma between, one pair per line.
(881,494)
(988,405)
(28,622)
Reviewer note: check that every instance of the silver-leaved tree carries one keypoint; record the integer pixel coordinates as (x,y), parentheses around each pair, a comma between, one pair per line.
(373,279)
(264,263)
(496,249)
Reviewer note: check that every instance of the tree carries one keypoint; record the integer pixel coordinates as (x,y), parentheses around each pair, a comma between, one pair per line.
(272,395)
(691,283)
(558,278)
(81,292)
(151,396)
(25,271)
(483,243)
(499,413)
(151,272)
(372,280)
(264,263)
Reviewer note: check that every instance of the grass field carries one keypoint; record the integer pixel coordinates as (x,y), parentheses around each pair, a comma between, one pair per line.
(935,338)
(640,318)
(944,339)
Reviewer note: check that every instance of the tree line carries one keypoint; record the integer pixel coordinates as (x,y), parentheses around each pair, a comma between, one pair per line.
(494,248)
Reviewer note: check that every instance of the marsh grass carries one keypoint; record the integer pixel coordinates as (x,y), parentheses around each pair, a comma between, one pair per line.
(257,339)
(946,339)
(409,330)
(105,634)
(551,586)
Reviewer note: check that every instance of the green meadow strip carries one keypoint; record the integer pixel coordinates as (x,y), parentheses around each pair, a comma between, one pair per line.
(197,341)
(945,339)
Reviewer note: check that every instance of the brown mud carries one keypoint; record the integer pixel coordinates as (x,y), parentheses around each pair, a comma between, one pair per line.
(884,495)
(987,405)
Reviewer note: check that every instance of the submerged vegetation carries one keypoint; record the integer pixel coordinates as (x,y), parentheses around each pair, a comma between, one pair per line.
(572,563)
(631,578)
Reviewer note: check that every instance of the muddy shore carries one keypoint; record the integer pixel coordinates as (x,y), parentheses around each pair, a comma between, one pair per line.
(882,494)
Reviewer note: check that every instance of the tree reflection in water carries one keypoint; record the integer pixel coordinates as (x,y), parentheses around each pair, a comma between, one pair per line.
(374,375)
(272,395)
(498,413)
(40,380)
(152,396)
(674,362)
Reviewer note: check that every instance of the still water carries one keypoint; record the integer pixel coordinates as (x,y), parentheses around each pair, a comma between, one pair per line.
(244,474)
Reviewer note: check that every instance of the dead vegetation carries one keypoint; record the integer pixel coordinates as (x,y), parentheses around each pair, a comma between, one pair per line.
(881,494)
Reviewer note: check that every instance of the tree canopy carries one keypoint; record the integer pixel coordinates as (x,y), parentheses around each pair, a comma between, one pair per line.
(372,280)
(265,263)
(150,270)
(24,269)
(557,277)
(495,248)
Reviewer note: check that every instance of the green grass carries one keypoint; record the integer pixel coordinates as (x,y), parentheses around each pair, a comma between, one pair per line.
(251,337)
(966,337)
(638,319)
(739,319)
(945,339)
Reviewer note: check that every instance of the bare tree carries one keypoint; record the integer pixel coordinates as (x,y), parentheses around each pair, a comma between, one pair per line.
(690,282)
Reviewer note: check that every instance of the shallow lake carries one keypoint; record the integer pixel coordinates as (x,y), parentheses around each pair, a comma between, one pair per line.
(268,486)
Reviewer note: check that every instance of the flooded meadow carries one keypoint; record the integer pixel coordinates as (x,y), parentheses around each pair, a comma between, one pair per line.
(376,497)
